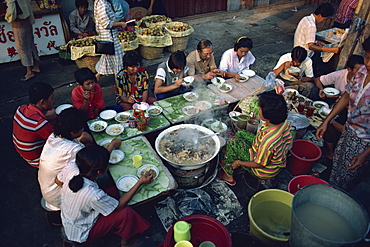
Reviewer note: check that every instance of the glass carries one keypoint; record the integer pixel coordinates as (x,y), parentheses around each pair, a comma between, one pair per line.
(207,54)
(252,125)
(310,110)
(301,106)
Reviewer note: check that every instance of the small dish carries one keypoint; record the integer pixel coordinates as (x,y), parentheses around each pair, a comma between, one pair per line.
(108,114)
(216,128)
(190,110)
(146,169)
(190,96)
(114,129)
(323,113)
(203,105)
(122,117)
(318,104)
(248,72)
(225,88)
(217,81)
(62,107)
(116,156)
(98,126)
(208,122)
(331,91)
(142,106)
(188,81)
(154,110)
(126,182)
(234,115)
(243,78)
(289,91)
(105,143)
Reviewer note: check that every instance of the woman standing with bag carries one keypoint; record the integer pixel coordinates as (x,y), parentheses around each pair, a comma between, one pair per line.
(106,26)
(19,14)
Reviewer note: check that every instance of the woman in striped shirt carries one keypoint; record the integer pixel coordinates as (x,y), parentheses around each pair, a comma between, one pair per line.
(265,156)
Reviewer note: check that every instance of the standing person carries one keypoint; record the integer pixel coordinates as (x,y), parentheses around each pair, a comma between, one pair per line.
(154,7)
(31,126)
(22,20)
(106,26)
(237,59)
(345,12)
(351,160)
(87,211)
(82,20)
(201,61)
(132,82)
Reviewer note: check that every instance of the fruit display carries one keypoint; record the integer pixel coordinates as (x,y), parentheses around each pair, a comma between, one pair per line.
(155,31)
(126,36)
(179,28)
(156,18)
(88,41)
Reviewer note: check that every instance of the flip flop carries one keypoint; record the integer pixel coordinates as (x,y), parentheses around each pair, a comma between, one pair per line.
(26,78)
(227,182)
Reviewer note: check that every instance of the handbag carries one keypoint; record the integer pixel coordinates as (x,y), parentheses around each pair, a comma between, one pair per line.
(104,47)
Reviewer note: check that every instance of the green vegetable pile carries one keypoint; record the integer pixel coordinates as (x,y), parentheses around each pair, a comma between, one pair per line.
(237,148)
(254,107)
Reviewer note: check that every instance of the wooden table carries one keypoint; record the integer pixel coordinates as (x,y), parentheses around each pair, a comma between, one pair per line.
(156,123)
(240,89)
(141,146)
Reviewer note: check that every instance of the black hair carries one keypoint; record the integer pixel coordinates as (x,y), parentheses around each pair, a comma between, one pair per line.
(204,43)
(83,75)
(273,107)
(299,54)
(177,60)
(90,160)
(131,58)
(38,91)
(80,3)
(69,120)
(243,42)
(366,44)
(325,10)
(353,60)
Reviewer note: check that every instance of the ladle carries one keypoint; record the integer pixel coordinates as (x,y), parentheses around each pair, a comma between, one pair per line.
(209,135)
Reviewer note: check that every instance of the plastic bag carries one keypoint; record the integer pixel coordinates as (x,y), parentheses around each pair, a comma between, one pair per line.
(269,81)
(279,86)
(194,201)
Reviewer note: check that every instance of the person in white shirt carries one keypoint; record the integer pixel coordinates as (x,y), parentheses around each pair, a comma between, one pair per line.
(295,69)
(237,59)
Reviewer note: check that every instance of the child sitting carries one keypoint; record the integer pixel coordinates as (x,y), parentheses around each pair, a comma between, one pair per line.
(82,20)
(264,155)
(87,95)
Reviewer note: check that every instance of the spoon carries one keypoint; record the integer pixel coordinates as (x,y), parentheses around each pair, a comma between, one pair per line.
(136,101)
(209,135)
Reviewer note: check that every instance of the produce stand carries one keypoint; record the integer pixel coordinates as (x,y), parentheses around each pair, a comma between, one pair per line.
(179,32)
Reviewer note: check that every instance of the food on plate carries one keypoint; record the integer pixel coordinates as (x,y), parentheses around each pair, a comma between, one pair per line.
(114,129)
(106,144)
(125,183)
(154,110)
(218,128)
(203,105)
(339,32)
(116,156)
(123,117)
(225,87)
(98,127)
(190,96)
(191,111)
(148,170)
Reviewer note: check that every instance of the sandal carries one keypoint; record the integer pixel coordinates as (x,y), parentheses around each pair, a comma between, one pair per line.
(231,183)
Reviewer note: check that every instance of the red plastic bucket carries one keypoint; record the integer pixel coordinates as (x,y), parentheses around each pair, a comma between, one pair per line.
(203,228)
(301,181)
(302,156)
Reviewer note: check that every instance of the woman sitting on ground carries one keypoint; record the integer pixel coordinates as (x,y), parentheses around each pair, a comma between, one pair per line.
(132,82)
(263,155)
(237,59)
(87,211)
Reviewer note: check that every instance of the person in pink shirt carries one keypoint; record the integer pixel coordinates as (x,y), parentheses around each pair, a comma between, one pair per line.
(346,9)
(87,95)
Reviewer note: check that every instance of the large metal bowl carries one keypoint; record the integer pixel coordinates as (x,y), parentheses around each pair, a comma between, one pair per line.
(206,131)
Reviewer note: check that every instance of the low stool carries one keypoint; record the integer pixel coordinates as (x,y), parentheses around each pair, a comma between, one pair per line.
(52,214)
(266,183)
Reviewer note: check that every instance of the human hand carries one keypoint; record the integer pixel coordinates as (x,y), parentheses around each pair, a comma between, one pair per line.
(149,11)
(322,94)
(131,99)
(219,72)
(84,34)
(146,178)
(321,130)
(115,143)
(123,24)
(357,162)
(179,82)
(86,95)
(237,77)
(287,64)
(209,76)
(235,164)
(51,114)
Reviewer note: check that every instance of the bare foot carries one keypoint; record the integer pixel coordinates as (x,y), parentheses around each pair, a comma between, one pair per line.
(37,70)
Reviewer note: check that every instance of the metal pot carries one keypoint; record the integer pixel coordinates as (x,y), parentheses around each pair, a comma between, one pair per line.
(206,131)
(300,122)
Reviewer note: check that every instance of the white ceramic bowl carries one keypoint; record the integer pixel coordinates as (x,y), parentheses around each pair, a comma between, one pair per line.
(116,156)
(108,114)
(208,122)
(190,96)
(62,107)
(98,126)
(324,111)
(190,110)
(248,72)
(331,91)
(145,168)
(318,104)
(142,106)
(217,81)
(122,117)
(225,88)
(289,90)
(126,182)
(114,129)
(234,115)
(105,143)
(244,78)
(215,128)
(188,81)
(154,110)
(203,105)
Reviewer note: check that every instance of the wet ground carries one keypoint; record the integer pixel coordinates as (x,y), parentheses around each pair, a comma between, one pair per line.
(23,221)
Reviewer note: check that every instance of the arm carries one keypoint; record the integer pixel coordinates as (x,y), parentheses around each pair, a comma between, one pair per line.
(145,96)
(318,84)
(150,9)
(339,106)
(251,164)
(315,47)
(359,160)
(115,143)
(282,66)
(159,88)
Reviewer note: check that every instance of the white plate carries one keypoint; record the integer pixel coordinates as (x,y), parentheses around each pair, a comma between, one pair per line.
(116,156)
(318,104)
(93,126)
(225,85)
(122,117)
(60,108)
(152,108)
(105,142)
(203,105)
(142,106)
(108,114)
(243,80)
(248,72)
(146,168)
(190,110)
(331,91)
(126,182)
(215,128)
(217,81)
(188,81)
(190,96)
(114,129)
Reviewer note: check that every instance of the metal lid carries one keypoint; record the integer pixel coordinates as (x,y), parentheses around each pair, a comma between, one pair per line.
(298,121)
